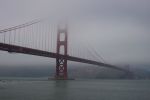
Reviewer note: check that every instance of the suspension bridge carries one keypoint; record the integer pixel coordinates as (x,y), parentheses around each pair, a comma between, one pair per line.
(43,39)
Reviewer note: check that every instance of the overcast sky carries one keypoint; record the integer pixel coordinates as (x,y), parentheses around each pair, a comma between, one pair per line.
(118,29)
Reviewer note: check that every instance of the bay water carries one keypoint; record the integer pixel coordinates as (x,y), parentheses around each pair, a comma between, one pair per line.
(79,89)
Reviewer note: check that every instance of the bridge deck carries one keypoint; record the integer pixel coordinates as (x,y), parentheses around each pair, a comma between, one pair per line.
(24,50)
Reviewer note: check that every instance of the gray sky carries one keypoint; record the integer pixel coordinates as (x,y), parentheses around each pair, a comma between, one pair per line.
(118,29)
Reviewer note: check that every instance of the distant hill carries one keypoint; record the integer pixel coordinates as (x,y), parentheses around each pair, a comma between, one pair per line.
(73,71)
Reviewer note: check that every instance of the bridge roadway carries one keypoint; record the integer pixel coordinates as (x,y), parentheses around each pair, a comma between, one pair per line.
(30,51)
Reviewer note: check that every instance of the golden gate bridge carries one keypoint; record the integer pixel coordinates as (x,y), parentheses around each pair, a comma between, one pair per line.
(43,39)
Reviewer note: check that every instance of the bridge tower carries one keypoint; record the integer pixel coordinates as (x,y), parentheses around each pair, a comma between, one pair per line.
(61,63)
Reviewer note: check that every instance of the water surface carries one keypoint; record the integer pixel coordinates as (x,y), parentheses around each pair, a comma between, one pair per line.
(41,89)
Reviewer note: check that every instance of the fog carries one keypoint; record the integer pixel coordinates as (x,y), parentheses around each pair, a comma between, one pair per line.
(118,29)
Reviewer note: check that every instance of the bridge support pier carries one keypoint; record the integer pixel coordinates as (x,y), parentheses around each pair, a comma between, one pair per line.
(61,63)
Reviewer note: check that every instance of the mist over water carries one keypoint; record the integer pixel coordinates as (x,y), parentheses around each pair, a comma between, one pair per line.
(41,89)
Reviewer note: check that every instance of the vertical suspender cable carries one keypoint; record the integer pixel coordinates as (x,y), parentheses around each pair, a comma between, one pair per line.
(4,37)
(9,37)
